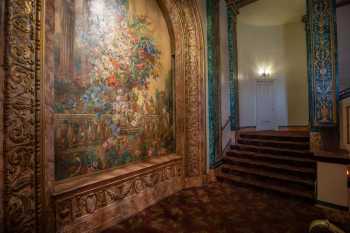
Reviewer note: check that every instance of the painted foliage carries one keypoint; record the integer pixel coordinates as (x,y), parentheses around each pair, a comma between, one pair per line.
(113,85)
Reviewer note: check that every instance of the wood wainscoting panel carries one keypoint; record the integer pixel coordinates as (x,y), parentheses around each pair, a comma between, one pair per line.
(344,127)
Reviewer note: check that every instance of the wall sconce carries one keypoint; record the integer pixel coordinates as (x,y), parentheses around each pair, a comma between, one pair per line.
(264,73)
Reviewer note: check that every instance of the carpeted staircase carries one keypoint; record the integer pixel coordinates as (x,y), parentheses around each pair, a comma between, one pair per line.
(275,161)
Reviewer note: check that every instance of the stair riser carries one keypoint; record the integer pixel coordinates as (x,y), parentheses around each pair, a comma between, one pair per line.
(300,174)
(242,184)
(274,144)
(282,182)
(273,160)
(272,151)
(277,161)
(275,138)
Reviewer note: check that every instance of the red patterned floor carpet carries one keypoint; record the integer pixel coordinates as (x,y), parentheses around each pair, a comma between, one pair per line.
(220,208)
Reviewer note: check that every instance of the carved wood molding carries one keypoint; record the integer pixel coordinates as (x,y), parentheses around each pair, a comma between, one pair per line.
(21,116)
(185,23)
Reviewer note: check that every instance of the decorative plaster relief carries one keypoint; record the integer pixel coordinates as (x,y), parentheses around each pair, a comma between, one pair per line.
(323,64)
(93,202)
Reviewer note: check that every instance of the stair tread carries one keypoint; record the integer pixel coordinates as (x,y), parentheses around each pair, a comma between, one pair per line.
(276,134)
(270,174)
(266,185)
(274,148)
(274,141)
(278,157)
(278,166)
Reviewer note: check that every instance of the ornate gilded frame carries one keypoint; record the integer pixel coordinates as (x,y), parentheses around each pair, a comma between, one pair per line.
(30,202)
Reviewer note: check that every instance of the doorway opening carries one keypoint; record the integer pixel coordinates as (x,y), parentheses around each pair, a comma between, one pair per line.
(272,66)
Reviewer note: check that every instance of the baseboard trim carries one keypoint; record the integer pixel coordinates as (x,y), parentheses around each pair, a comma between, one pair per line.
(331,205)
(293,127)
(280,127)
(247,128)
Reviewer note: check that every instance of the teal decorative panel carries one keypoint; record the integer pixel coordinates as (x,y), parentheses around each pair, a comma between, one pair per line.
(233,67)
(322,63)
(213,127)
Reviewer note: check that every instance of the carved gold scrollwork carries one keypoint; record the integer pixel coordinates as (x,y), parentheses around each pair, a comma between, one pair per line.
(80,205)
(22,200)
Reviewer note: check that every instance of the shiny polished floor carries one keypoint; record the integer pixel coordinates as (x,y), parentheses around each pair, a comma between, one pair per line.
(220,208)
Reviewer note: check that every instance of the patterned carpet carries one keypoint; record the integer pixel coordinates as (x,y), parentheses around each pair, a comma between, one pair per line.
(219,208)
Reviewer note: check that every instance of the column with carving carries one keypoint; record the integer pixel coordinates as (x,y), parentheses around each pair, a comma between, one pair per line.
(214,127)
(232,12)
(22,146)
(2,77)
(322,71)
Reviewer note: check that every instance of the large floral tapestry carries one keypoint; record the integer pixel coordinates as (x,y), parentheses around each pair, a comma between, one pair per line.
(113,85)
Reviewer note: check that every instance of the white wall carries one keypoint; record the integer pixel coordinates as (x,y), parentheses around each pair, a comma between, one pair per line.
(343,23)
(281,48)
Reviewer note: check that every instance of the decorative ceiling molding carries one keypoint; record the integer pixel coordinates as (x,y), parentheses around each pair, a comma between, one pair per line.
(242,3)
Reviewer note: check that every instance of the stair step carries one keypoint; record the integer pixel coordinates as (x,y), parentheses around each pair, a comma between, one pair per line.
(278,136)
(272,150)
(273,143)
(300,171)
(271,175)
(300,161)
(267,186)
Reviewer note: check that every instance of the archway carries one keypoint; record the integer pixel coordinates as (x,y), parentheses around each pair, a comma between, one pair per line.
(322,75)
(33,197)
